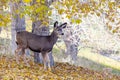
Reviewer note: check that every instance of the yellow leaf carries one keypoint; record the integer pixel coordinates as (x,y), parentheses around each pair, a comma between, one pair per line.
(21,15)
(60,11)
(73,20)
(78,21)
(43,1)
(114,31)
(111,4)
(49,13)
(27,1)
(37,0)
(118,6)
(56,6)
(103,0)
(68,16)
(98,14)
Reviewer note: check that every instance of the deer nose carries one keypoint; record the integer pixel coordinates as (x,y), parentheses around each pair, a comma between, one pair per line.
(62,34)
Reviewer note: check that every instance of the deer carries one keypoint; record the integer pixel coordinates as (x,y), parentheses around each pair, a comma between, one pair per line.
(37,43)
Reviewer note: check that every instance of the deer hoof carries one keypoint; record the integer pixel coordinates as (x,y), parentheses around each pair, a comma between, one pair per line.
(49,69)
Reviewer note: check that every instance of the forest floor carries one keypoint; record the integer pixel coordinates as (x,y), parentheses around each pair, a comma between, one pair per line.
(9,70)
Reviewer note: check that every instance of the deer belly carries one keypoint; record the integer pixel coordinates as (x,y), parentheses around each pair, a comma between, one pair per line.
(46,49)
(35,49)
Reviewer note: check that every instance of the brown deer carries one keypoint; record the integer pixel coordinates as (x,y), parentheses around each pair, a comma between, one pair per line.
(37,43)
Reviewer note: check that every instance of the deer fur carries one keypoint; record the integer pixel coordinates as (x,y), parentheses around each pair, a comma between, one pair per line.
(37,43)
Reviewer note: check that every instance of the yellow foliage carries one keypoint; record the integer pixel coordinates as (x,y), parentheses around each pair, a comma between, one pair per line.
(111,4)
(43,1)
(49,13)
(61,11)
(73,20)
(38,0)
(68,16)
(114,31)
(78,21)
(4,20)
(27,1)
(103,0)
(98,14)
(90,6)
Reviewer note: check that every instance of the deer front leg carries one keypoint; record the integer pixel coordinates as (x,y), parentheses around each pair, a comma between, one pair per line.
(48,61)
(44,60)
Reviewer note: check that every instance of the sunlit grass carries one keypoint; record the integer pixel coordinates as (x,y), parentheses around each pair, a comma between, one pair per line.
(99,58)
(89,60)
(95,57)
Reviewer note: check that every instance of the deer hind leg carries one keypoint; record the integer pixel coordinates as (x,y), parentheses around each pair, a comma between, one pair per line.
(25,57)
(17,54)
(46,61)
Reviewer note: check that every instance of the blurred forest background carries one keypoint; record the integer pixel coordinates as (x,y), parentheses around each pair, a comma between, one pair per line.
(91,40)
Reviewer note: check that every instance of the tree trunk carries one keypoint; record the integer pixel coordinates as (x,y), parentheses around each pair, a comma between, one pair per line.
(71,46)
(0,29)
(18,24)
(71,49)
(44,31)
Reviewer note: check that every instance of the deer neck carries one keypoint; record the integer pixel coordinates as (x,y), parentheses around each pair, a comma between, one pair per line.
(53,38)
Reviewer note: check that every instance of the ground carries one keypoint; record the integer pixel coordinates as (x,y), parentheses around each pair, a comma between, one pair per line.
(10,70)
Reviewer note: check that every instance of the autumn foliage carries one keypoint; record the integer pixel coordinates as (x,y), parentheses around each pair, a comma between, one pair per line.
(9,70)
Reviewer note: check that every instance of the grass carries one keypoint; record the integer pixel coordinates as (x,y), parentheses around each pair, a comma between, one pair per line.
(91,60)
(99,58)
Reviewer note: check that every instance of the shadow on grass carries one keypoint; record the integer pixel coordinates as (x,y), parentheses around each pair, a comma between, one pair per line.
(85,62)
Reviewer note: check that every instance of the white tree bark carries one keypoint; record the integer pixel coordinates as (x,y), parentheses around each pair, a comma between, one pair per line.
(17,24)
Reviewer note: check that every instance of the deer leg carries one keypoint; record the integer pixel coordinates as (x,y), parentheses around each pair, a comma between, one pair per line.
(24,57)
(48,61)
(17,54)
(44,60)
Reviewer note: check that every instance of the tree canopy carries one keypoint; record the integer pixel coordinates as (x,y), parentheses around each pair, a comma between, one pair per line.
(4,13)
(74,11)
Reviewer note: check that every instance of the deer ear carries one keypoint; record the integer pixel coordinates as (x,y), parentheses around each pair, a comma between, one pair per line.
(56,24)
(63,25)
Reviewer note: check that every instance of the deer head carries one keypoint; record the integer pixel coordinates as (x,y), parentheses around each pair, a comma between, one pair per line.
(58,28)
